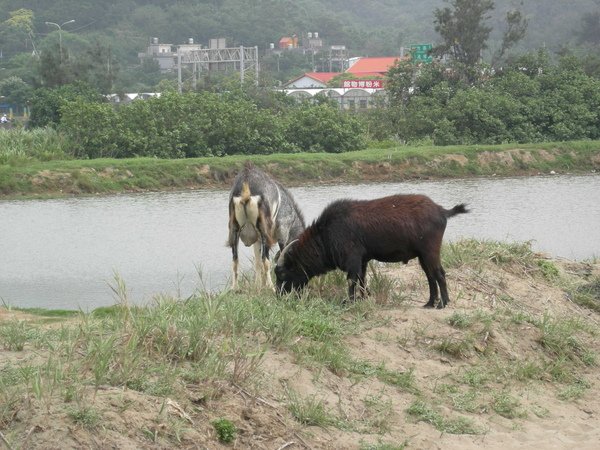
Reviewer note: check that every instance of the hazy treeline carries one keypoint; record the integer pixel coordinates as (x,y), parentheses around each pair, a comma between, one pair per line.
(104,40)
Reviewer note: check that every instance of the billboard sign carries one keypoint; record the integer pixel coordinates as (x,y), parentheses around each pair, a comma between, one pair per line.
(420,53)
(362,84)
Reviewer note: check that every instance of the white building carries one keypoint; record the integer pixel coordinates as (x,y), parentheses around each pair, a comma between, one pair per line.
(353,99)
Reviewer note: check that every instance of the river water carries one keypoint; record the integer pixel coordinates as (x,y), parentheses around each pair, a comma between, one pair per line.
(65,253)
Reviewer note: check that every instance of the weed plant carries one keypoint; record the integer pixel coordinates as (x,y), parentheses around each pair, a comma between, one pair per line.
(17,145)
(225,429)
(309,410)
(507,406)
(85,416)
(422,412)
(560,338)
(588,294)
(380,445)
(473,253)
(378,412)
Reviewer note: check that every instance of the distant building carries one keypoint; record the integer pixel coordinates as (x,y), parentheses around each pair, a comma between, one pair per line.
(362,90)
(363,72)
(347,99)
(309,42)
(312,41)
(166,54)
(369,67)
(162,53)
(311,80)
(288,42)
(188,47)
(118,99)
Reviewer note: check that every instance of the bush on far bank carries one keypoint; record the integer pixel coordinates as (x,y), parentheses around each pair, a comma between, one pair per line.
(204,124)
(531,99)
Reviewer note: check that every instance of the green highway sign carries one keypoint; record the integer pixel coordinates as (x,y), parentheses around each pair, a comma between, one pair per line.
(420,53)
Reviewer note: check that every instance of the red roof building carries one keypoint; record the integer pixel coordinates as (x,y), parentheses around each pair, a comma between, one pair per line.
(288,42)
(362,68)
(372,66)
(312,80)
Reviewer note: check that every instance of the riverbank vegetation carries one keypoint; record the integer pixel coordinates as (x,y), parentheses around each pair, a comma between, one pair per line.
(516,350)
(529,100)
(47,174)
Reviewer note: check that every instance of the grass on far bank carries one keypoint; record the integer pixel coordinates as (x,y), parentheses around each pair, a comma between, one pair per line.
(34,163)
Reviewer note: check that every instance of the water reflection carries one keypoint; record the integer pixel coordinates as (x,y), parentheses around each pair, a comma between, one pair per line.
(64,253)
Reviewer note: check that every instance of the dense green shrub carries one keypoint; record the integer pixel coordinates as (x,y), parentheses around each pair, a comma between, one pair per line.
(92,129)
(204,124)
(315,128)
(236,125)
(530,100)
(159,127)
(46,103)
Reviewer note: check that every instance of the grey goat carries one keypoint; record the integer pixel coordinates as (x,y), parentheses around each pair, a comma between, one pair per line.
(261,213)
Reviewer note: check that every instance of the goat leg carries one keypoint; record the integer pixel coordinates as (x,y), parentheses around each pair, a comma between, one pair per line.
(234,269)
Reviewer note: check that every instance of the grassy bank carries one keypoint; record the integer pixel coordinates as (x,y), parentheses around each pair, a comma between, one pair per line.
(511,361)
(31,177)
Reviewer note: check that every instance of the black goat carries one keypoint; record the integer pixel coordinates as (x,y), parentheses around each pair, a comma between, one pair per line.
(261,213)
(350,233)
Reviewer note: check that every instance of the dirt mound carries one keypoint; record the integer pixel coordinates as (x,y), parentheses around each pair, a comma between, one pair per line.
(510,363)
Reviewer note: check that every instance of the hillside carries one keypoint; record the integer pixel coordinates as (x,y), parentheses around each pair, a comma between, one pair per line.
(512,362)
(259,22)
(373,27)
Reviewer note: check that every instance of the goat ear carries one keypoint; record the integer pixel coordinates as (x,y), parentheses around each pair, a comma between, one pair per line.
(280,257)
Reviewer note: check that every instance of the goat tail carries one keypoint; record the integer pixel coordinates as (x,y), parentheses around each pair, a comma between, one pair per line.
(458,209)
(245,194)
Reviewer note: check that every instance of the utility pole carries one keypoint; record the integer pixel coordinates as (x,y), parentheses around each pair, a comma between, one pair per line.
(179,82)
(241,64)
(60,34)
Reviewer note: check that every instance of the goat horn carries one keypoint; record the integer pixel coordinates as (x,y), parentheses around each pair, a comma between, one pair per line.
(281,257)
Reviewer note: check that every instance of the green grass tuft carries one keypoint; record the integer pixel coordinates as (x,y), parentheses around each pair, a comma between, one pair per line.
(85,416)
(225,429)
(425,413)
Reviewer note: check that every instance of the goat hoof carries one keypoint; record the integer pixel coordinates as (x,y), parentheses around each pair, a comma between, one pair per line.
(428,305)
(440,305)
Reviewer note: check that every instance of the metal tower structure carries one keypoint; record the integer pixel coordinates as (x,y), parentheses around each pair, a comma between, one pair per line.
(242,59)
(338,56)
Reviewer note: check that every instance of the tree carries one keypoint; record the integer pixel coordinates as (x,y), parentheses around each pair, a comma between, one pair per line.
(590,29)
(59,66)
(15,90)
(98,67)
(17,29)
(46,103)
(55,67)
(463,29)
(92,128)
(515,31)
